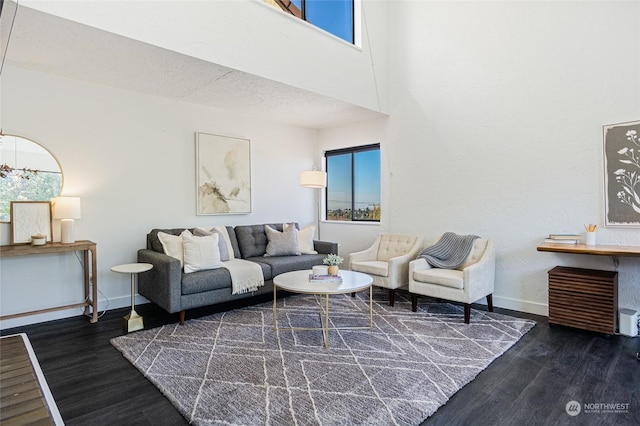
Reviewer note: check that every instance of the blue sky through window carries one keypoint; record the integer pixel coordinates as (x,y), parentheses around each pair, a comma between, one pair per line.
(334,16)
(366,177)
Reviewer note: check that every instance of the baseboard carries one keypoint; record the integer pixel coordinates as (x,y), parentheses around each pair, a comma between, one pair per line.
(103,304)
(124,301)
(520,305)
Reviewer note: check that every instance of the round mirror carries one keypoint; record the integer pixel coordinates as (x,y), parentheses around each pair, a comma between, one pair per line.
(28,172)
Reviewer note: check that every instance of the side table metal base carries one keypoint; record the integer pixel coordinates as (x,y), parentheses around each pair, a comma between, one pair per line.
(132,322)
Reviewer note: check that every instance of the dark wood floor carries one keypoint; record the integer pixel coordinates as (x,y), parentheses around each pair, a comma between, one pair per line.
(529,385)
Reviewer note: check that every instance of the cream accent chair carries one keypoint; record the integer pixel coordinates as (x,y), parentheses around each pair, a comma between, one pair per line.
(473,280)
(387,260)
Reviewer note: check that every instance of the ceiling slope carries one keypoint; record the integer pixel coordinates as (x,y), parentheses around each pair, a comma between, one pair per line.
(46,43)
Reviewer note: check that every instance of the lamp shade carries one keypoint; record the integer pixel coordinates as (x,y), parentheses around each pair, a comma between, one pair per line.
(313,179)
(66,208)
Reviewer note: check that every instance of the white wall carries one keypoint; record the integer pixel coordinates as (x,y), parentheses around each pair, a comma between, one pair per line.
(251,36)
(496,129)
(131,159)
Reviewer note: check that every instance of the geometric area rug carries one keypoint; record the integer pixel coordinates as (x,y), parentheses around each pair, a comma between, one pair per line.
(233,368)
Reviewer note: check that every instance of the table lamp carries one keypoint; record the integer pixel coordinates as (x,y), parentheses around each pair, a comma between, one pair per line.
(67,209)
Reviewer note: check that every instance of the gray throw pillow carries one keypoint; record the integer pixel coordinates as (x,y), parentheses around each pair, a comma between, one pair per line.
(222,244)
(282,243)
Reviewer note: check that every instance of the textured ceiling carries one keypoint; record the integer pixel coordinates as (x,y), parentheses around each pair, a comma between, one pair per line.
(46,43)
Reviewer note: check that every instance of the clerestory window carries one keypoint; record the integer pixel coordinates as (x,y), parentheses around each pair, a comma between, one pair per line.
(333,16)
(353,184)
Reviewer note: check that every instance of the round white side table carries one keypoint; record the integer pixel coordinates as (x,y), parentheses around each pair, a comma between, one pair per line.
(133,321)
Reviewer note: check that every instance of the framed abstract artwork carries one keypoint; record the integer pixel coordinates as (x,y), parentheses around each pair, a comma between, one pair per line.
(30,218)
(223,174)
(622,174)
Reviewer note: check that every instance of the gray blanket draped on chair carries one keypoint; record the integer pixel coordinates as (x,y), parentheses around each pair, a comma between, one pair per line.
(449,252)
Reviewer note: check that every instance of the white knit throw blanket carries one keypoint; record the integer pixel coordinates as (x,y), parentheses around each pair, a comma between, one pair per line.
(246,276)
(450,251)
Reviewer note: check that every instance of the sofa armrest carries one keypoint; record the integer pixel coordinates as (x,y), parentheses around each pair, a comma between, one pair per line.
(401,260)
(481,275)
(420,264)
(367,255)
(163,284)
(398,269)
(325,247)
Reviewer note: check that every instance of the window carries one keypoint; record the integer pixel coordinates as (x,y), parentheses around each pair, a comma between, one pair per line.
(334,16)
(353,184)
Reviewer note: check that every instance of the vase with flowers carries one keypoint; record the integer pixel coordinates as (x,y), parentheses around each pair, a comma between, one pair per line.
(334,261)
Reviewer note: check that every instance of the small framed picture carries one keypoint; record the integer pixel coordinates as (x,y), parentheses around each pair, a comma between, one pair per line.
(30,218)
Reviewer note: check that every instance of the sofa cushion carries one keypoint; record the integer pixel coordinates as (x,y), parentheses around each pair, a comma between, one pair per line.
(283,243)
(200,252)
(281,264)
(210,279)
(444,277)
(266,270)
(375,267)
(252,239)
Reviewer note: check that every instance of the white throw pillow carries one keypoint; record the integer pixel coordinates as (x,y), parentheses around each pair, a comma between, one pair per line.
(200,253)
(172,245)
(305,238)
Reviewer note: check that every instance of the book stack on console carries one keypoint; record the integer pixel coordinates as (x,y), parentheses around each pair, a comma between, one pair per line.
(563,239)
(325,278)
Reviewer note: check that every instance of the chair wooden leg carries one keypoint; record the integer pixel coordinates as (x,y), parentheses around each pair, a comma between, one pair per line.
(392,296)
(182,315)
(414,302)
(490,302)
(467,313)
(353,294)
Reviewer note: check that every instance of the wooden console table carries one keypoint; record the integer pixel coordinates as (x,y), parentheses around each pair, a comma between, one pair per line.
(598,250)
(585,298)
(90,273)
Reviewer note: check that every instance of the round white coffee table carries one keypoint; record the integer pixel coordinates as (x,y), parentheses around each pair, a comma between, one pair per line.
(298,282)
(133,321)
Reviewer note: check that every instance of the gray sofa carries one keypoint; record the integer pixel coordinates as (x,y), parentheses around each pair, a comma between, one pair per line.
(168,286)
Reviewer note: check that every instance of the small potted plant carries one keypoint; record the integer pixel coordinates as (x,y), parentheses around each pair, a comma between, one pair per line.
(333,260)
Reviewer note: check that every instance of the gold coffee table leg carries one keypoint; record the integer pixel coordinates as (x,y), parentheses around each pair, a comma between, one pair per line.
(326,322)
(371,307)
(275,312)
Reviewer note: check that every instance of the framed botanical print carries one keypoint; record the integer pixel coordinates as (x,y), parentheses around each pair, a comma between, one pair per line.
(223,174)
(622,174)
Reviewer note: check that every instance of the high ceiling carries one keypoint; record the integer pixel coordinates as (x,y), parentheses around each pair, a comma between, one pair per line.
(50,44)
